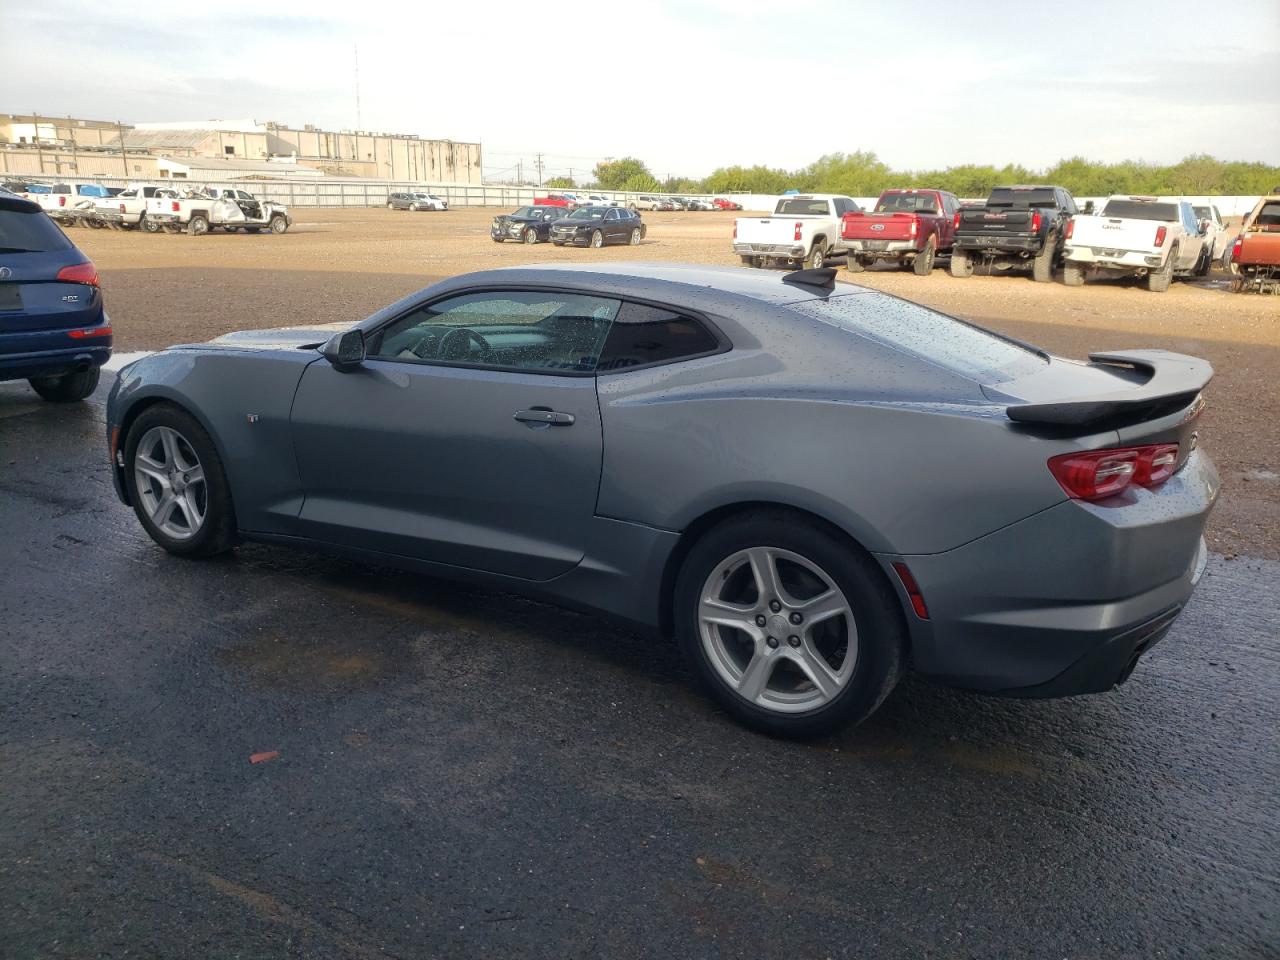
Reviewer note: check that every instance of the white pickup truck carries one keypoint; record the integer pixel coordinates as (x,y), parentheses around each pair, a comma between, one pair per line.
(804,227)
(198,212)
(129,207)
(1138,236)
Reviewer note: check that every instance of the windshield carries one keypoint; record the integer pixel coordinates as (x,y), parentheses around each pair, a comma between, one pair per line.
(802,207)
(907,203)
(588,213)
(1022,197)
(972,352)
(528,212)
(1140,210)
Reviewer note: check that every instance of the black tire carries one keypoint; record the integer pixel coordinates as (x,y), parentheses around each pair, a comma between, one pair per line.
(219,532)
(148,225)
(748,260)
(252,229)
(197,226)
(817,256)
(497,239)
(1158,280)
(67,388)
(1205,263)
(1073,274)
(530,235)
(391,206)
(922,266)
(278,224)
(1042,265)
(635,236)
(853,263)
(961,265)
(881,631)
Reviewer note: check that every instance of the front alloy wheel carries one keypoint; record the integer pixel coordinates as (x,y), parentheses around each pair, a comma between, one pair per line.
(170,482)
(597,239)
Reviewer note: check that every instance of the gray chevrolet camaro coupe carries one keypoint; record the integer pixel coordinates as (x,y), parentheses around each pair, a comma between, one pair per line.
(812,485)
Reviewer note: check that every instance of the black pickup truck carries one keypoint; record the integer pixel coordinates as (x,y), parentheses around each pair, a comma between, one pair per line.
(1016,227)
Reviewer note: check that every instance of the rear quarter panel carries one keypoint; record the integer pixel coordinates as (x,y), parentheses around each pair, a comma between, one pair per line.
(906,457)
(242,399)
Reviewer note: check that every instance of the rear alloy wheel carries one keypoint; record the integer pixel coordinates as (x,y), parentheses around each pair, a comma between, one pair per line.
(197,226)
(413,207)
(597,239)
(67,388)
(817,256)
(1158,280)
(176,484)
(1042,265)
(531,235)
(279,224)
(148,225)
(795,633)
(923,264)
(961,265)
(391,206)
(1073,274)
(635,237)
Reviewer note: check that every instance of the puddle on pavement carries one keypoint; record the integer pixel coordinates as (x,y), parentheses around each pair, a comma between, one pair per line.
(299,663)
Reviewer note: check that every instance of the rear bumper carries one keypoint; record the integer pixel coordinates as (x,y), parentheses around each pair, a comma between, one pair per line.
(1111,259)
(997,244)
(882,248)
(789,251)
(51,363)
(1063,602)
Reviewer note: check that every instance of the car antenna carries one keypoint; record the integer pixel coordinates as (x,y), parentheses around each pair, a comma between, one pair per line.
(824,277)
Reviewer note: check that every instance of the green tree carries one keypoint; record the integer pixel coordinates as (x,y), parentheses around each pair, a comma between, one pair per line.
(559,183)
(614,174)
(640,183)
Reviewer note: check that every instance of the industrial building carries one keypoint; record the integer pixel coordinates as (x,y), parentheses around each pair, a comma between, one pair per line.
(227,149)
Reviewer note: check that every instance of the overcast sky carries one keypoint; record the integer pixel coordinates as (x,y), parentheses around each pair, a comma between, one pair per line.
(686,85)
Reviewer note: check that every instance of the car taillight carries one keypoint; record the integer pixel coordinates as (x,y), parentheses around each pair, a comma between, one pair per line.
(1098,474)
(1071,228)
(102,331)
(173,205)
(799,226)
(122,208)
(85,273)
(1236,248)
(62,201)
(1036,220)
(956,220)
(1161,233)
(915,226)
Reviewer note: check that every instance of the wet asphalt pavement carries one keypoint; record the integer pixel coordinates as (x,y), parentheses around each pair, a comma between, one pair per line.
(466,774)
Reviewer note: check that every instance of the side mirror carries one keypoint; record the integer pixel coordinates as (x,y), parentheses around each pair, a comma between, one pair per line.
(345,350)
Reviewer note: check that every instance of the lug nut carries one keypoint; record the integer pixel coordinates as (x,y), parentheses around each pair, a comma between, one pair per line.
(775,606)
(796,618)
(771,642)
(761,621)
(794,641)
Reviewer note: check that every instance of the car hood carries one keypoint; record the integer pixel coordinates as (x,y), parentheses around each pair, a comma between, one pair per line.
(512,218)
(283,338)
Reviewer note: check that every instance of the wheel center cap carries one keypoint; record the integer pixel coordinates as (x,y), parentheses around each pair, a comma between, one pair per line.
(778,626)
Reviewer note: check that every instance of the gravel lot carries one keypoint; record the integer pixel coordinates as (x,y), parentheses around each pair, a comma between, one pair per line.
(343,264)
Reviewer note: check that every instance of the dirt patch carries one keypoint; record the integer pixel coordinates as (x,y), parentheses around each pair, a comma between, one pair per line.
(341,265)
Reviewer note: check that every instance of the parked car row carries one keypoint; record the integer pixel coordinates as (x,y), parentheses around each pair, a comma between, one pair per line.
(1035,228)
(587,226)
(650,202)
(415,201)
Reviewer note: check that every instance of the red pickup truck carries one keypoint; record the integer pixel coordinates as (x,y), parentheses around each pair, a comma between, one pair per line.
(555,200)
(907,226)
(1255,256)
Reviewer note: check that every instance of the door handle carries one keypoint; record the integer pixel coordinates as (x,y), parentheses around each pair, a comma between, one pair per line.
(547,417)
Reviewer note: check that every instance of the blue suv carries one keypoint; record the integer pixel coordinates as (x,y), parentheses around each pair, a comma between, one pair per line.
(53,330)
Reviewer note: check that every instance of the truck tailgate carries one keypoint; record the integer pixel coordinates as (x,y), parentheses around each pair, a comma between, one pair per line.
(996,220)
(879,226)
(1259,249)
(766,230)
(1113,233)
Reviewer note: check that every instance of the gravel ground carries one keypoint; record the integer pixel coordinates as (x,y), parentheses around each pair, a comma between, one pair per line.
(342,264)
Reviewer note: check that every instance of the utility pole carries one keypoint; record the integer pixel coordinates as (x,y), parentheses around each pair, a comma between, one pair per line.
(359,121)
(519,172)
(35,125)
(124,156)
(539,162)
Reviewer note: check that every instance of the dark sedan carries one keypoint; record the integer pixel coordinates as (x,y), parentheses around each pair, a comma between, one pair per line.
(596,226)
(812,485)
(528,224)
(53,330)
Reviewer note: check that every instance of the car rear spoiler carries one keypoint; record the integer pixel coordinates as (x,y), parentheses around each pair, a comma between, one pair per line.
(1174,381)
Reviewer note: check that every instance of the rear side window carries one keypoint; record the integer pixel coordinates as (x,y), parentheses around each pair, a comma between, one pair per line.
(970,351)
(23,230)
(643,335)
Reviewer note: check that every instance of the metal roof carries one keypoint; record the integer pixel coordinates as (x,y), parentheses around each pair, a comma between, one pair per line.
(187,139)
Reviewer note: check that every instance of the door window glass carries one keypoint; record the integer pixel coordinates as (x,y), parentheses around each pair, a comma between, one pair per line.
(647,335)
(538,331)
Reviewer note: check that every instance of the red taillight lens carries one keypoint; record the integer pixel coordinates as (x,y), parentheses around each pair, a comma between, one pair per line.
(915,227)
(1236,248)
(1097,474)
(88,332)
(173,205)
(913,590)
(1036,220)
(1161,233)
(122,208)
(799,227)
(1155,464)
(1071,228)
(955,221)
(62,201)
(85,273)
(735,229)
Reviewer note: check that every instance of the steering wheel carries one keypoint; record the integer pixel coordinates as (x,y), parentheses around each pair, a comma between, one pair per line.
(456,345)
